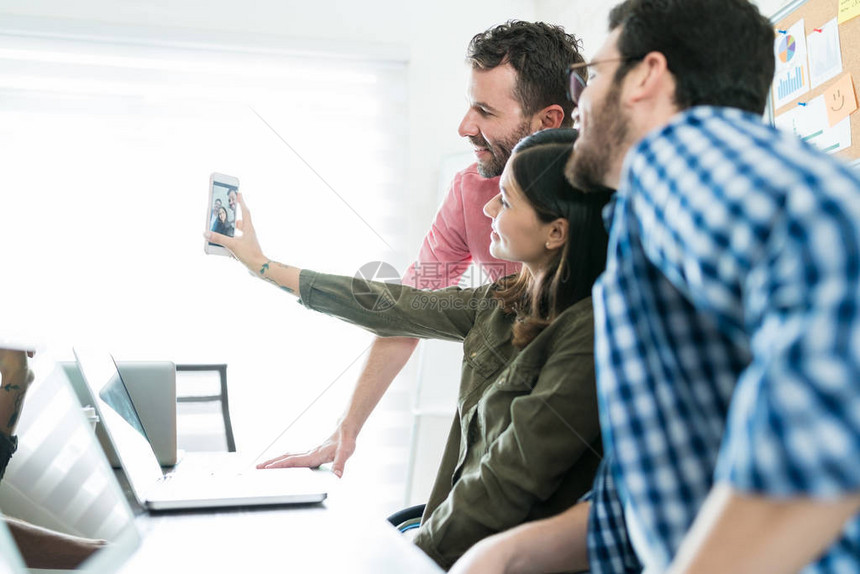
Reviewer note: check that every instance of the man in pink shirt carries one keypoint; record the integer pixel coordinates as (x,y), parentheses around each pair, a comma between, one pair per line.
(517,86)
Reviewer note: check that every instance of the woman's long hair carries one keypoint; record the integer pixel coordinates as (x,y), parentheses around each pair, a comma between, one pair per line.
(538,164)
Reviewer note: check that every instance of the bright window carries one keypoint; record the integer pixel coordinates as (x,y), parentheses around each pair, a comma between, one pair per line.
(107,147)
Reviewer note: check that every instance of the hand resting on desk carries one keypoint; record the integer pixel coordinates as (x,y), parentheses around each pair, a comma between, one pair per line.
(337,448)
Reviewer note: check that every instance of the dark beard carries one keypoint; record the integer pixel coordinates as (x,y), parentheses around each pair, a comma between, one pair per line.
(592,159)
(501,151)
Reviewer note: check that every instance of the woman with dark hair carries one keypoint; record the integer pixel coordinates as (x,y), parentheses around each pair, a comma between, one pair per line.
(222,225)
(525,441)
(566,276)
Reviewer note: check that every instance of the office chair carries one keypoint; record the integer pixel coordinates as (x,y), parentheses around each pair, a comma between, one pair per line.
(408,518)
(193,402)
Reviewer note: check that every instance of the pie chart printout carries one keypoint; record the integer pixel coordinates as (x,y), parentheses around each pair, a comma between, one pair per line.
(787,48)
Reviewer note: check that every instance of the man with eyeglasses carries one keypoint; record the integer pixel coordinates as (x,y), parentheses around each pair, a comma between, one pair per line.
(727,321)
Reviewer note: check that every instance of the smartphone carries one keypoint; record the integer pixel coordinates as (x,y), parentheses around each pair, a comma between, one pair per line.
(222,210)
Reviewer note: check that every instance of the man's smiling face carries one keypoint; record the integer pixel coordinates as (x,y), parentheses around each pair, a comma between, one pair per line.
(494,122)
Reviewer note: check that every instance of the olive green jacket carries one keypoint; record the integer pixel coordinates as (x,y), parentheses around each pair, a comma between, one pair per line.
(525,441)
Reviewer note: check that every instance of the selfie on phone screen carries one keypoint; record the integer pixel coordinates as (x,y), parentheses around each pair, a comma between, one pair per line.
(223,210)
(224,205)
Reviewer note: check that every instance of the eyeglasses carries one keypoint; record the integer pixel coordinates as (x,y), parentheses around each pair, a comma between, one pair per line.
(576,83)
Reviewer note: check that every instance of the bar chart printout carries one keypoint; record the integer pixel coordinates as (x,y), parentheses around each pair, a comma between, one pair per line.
(791,77)
(791,84)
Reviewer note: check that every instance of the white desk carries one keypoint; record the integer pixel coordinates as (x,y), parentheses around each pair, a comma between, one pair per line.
(322,538)
(283,540)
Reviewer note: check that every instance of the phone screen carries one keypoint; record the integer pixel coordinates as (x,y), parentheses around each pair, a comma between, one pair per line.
(224,209)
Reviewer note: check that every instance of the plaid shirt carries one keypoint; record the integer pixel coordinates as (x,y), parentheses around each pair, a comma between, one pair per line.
(727,334)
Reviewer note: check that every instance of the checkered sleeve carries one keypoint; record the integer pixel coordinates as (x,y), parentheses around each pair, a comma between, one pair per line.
(769,247)
(609,549)
(794,423)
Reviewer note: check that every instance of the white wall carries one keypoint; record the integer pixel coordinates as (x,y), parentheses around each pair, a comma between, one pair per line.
(771,7)
(586,19)
(589,19)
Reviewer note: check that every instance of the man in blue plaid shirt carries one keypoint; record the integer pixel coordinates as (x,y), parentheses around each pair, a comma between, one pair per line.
(728,328)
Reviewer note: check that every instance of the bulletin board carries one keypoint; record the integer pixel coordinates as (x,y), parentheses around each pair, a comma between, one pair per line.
(787,109)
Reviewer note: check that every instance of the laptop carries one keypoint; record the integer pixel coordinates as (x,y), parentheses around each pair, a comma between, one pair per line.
(60,479)
(180,490)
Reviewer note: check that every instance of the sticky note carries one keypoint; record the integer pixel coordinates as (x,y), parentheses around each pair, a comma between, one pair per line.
(840,99)
(848,9)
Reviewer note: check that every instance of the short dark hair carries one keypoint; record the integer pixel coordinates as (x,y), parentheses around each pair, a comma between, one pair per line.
(538,166)
(539,53)
(719,51)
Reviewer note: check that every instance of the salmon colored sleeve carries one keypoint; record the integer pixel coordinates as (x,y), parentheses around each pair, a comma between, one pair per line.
(444,255)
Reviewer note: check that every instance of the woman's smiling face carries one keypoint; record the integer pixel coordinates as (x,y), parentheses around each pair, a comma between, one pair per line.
(517,232)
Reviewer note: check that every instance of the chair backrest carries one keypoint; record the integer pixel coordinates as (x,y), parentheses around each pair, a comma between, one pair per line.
(203,408)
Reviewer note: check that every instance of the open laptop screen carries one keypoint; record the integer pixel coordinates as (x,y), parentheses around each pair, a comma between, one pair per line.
(115,394)
(120,420)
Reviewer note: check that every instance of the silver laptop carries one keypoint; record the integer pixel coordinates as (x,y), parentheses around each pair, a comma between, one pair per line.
(180,490)
(60,479)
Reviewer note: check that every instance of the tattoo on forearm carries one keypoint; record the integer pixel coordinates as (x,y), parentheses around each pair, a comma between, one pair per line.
(13,418)
(268,264)
(16,404)
(265,268)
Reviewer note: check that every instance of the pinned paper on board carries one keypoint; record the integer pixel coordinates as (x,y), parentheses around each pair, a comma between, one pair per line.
(848,9)
(825,53)
(791,77)
(809,123)
(840,100)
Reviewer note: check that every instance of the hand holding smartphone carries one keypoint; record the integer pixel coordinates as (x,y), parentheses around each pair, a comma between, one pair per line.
(222,210)
(224,200)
